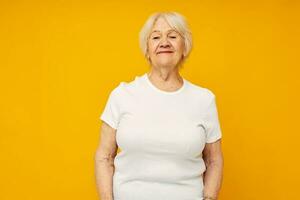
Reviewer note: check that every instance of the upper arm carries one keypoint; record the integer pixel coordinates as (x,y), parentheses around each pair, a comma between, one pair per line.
(213,127)
(111,112)
(212,152)
(110,117)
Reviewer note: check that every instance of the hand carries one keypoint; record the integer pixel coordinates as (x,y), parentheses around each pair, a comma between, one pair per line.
(209,198)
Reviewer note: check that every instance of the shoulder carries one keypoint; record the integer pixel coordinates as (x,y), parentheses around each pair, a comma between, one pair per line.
(124,87)
(201,92)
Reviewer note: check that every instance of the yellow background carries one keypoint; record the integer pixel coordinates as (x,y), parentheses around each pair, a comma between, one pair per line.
(60,59)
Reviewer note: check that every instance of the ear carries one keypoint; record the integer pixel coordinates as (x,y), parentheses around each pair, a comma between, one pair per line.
(148,58)
(147,53)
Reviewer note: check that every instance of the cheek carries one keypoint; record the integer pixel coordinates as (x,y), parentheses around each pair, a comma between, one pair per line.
(179,45)
(152,45)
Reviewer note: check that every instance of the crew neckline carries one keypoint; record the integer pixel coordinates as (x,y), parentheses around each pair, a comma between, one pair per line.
(163,91)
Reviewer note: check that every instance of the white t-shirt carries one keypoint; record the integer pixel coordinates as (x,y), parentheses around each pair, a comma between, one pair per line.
(162,135)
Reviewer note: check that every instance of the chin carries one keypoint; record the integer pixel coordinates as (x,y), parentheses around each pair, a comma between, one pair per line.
(166,64)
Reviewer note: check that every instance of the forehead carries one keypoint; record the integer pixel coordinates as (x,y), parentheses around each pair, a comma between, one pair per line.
(161,25)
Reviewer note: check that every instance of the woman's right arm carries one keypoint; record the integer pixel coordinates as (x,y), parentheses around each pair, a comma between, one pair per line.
(104,162)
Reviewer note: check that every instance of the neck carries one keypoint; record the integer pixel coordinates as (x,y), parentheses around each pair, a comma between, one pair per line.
(165,79)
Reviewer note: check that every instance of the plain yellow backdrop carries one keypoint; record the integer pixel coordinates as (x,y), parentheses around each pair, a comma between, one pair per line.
(60,59)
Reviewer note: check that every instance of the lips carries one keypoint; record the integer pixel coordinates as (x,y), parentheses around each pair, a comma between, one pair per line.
(164,52)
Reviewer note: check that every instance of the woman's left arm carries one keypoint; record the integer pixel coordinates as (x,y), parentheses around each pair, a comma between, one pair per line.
(213,158)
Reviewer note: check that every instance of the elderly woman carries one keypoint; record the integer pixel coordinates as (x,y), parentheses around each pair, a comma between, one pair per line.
(166,126)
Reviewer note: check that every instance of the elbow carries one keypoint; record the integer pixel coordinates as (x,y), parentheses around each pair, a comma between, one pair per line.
(100,157)
(215,161)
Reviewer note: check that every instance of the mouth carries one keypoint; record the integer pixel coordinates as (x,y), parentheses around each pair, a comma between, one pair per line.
(164,52)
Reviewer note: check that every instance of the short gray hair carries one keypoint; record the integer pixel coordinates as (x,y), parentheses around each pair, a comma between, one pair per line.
(176,21)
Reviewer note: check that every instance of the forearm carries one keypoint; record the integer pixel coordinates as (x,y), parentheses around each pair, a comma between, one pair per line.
(213,179)
(104,170)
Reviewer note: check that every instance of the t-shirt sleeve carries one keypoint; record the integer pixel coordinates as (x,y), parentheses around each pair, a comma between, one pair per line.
(111,112)
(213,132)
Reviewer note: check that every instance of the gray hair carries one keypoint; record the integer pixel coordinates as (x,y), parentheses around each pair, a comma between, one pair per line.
(176,21)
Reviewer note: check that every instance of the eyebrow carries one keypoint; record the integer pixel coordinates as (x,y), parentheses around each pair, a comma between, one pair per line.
(167,31)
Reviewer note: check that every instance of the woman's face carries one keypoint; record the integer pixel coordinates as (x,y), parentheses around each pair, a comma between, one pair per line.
(165,45)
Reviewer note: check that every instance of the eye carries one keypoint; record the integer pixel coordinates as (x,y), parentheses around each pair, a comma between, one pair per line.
(172,36)
(155,37)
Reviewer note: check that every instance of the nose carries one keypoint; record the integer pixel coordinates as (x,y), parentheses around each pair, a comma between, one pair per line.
(164,42)
(164,46)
